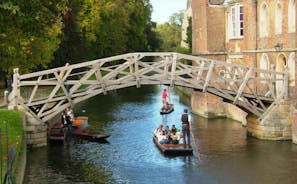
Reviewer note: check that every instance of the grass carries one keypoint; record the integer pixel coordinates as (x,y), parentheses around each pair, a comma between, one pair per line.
(14,122)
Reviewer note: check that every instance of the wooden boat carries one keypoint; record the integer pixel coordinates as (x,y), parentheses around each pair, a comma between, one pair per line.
(90,135)
(173,149)
(168,110)
(57,134)
(79,124)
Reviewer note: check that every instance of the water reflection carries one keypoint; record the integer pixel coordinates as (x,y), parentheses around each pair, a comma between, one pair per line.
(130,116)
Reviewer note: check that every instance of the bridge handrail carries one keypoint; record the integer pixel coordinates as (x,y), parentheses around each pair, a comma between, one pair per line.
(143,54)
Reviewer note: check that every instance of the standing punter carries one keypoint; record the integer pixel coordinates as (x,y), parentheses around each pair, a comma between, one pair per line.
(186,127)
(164,96)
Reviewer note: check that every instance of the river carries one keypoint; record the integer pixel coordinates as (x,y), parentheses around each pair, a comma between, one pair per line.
(225,153)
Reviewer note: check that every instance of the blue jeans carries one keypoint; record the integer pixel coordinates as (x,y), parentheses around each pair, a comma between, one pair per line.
(186,134)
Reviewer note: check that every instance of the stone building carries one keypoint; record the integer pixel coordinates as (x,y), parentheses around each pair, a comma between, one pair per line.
(256,33)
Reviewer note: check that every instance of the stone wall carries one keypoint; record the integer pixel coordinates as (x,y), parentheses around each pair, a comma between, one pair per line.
(35,132)
(207,105)
(276,125)
(235,113)
(212,106)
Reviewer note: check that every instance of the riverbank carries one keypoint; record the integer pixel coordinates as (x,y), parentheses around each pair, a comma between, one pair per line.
(11,124)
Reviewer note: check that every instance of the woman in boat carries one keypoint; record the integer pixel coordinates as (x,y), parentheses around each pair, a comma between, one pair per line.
(164,96)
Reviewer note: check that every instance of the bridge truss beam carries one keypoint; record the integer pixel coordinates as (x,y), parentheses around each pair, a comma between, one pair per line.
(46,93)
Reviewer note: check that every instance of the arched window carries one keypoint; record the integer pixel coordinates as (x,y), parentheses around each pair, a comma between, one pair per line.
(291,17)
(291,67)
(281,63)
(265,65)
(278,18)
(264,20)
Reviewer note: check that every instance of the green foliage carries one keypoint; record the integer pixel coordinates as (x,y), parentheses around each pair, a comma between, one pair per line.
(189,34)
(40,34)
(29,33)
(170,35)
(176,18)
(14,122)
(96,29)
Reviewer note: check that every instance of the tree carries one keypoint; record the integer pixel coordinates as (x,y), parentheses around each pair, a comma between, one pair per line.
(189,34)
(29,33)
(116,27)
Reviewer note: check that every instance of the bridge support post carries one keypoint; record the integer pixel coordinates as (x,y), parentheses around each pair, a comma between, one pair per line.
(211,106)
(35,131)
(207,105)
(276,125)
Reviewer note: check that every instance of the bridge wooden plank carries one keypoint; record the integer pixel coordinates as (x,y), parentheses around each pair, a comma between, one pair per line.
(243,85)
(35,89)
(208,76)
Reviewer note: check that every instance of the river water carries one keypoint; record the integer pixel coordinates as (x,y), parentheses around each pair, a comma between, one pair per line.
(225,153)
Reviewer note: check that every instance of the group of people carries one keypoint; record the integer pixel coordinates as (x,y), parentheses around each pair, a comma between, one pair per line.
(168,136)
(67,118)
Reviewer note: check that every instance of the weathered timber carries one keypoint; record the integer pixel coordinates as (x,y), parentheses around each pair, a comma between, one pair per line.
(244,86)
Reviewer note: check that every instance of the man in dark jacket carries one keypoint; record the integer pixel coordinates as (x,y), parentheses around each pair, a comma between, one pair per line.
(186,127)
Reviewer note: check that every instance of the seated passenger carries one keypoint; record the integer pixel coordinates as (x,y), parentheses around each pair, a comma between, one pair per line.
(179,135)
(165,106)
(162,139)
(174,139)
(159,130)
(173,129)
(167,130)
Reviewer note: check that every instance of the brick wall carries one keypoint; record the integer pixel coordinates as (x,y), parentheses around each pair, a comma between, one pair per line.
(199,26)
(216,29)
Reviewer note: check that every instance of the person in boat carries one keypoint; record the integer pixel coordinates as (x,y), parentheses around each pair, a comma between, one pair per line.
(70,114)
(167,130)
(165,107)
(173,129)
(162,138)
(174,138)
(159,130)
(186,126)
(164,96)
(66,120)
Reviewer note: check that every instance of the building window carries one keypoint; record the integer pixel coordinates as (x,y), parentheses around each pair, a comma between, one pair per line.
(235,22)
(264,65)
(291,17)
(278,19)
(264,21)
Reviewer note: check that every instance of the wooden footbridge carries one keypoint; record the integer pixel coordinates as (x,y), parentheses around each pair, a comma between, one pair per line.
(46,93)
